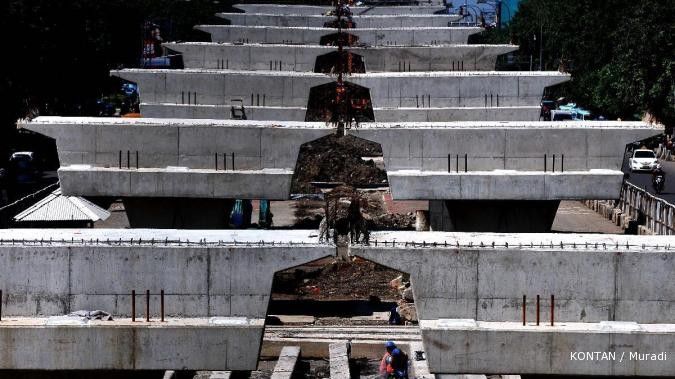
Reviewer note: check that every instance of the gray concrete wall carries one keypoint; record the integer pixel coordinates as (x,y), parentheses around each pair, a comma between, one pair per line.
(187,344)
(291,89)
(222,112)
(183,143)
(505,185)
(303,58)
(85,180)
(488,284)
(319,10)
(312,36)
(205,281)
(362,21)
(464,346)
(504,146)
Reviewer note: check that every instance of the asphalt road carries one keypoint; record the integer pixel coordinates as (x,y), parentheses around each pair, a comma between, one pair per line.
(644,180)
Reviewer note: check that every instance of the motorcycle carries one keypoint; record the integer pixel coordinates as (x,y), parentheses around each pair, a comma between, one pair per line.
(659,182)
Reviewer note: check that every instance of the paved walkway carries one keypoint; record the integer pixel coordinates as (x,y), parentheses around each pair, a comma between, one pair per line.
(575,217)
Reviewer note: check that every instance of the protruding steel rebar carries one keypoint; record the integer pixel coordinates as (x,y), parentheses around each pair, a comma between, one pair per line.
(0,305)
(466,162)
(147,305)
(133,305)
(524,310)
(161,301)
(552,310)
(537,310)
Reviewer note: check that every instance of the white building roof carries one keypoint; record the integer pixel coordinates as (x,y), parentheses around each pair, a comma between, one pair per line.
(58,207)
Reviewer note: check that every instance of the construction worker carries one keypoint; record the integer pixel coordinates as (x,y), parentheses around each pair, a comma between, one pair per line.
(386,359)
(398,366)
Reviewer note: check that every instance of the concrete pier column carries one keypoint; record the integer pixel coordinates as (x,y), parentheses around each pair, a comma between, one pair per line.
(505,216)
(178,213)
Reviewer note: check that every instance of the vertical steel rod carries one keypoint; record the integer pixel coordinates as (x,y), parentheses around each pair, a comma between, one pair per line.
(133,305)
(0,305)
(216,160)
(553,162)
(224,161)
(545,162)
(147,305)
(537,310)
(562,162)
(466,162)
(552,309)
(232,161)
(524,310)
(128,159)
(120,156)
(161,299)
(449,163)
(457,164)
(136,159)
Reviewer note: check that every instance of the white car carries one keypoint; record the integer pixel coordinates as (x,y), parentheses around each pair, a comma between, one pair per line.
(643,160)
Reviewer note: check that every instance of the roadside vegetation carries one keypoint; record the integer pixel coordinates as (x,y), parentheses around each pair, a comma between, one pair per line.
(620,53)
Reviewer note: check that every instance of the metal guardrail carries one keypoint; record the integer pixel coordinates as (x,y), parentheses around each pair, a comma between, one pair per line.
(639,205)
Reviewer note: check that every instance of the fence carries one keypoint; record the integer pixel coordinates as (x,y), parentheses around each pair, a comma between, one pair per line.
(650,212)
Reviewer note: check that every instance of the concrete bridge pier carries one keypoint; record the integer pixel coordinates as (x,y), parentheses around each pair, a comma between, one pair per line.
(178,213)
(500,216)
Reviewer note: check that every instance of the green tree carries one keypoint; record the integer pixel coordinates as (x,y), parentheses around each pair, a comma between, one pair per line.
(620,52)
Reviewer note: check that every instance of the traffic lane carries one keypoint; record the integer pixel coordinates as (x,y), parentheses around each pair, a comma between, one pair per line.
(643,179)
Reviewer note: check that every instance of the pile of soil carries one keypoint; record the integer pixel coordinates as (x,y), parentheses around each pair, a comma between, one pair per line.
(359,279)
(337,159)
(395,221)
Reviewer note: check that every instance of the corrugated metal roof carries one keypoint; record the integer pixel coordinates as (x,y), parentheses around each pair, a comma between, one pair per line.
(57,207)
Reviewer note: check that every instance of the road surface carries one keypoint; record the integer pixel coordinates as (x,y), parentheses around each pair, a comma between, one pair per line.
(644,180)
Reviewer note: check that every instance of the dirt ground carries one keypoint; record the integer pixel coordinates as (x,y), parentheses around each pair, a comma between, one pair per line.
(338,159)
(335,280)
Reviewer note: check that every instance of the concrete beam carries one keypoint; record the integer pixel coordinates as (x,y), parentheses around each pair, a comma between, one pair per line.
(362,21)
(302,58)
(161,143)
(85,180)
(455,346)
(98,269)
(505,145)
(414,36)
(593,278)
(222,112)
(339,360)
(285,366)
(185,343)
(505,185)
(283,9)
(291,89)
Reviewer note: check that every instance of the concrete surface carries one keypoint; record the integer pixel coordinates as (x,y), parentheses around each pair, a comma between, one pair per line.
(505,185)
(590,284)
(339,360)
(85,180)
(186,344)
(283,9)
(285,366)
(361,21)
(291,89)
(199,280)
(576,217)
(403,114)
(504,145)
(163,143)
(303,57)
(494,347)
(415,36)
